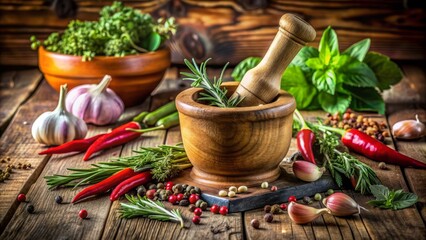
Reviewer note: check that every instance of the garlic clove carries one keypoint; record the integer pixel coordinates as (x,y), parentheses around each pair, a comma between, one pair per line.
(307,171)
(341,205)
(409,129)
(302,214)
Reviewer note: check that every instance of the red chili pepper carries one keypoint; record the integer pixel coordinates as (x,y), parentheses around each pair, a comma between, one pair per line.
(305,139)
(79,145)
(129,184)
(363,144)
(105,184)
(116,137)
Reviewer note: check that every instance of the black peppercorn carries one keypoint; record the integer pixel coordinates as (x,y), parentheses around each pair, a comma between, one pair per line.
(58,199)
(30,208)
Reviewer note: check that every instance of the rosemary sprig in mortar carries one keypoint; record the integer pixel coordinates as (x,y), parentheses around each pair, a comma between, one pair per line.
(164,161)
(214,94)
(144,207)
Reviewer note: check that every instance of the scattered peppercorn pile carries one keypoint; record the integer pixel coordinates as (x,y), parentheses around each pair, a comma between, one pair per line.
(350,120)
(5,172)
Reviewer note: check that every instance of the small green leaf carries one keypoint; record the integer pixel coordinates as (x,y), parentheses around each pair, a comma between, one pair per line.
(403,200)
(329,45)
(294,82)
(356,73)
(245,65)
(380,192)
(304,54)
(154,41)
(325,80)
(358,50)
(387,72)
(315,63)
(338,102)
(366,99)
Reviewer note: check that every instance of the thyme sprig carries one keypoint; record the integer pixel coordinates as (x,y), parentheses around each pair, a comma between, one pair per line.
(163,161)
(341,163)
(214,94)
(143,207)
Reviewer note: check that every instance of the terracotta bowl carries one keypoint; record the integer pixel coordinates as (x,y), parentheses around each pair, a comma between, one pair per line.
(235,146)
(134,77)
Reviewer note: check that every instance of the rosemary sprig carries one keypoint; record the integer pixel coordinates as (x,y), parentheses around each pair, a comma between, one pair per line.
(144,207)
(164,161)
(342,163)
(214,94)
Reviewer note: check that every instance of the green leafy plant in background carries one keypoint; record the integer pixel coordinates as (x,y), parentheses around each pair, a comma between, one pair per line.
(391,199)
(120,31)
(328,79)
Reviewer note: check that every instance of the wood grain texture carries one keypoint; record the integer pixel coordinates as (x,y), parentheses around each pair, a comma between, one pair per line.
(416,178)
(16,87)
(232,30)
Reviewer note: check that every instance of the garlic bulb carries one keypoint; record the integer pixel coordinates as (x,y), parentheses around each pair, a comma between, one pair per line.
(307,171)
(341,205)
(409,129)
(302,214)
(95,104)
(59,126)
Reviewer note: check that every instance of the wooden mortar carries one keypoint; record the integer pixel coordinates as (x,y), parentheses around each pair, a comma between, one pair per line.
(235,146)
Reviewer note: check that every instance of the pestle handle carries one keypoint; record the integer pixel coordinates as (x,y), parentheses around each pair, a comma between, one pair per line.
(261,84)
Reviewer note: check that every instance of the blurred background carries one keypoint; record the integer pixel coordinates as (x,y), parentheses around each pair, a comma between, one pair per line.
(229,31)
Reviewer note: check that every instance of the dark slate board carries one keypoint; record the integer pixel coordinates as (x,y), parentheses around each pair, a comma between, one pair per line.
(257,197)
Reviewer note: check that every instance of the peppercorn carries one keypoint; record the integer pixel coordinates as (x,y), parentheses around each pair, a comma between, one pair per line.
(268,217)
(58,199)
(141,190)
(267,208)
(193,191)
(21,197)
(275,209)
(307,200)
(264,185)
(274,188)
(188,188)
(255,223)
(152,186)
(184,202)
(197,190)
(223,193)
(191,207)
(203,206)
(160,185)
(30,209)
(283,206)
(242,189)
(198,203)
(177,188)
(383,166)
(329,191)
(233,189)
(231,194)
(317,197)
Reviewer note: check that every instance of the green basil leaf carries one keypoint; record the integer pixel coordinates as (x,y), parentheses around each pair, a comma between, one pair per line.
(366,99)
(338,102)
(304,54)
(358,50)
(245,65)
(329,45)
(356,73)
(154,41)
(294,82)
(339,61)
(387,72)
(325,80)
(315,63)
(403,200)
(380,192)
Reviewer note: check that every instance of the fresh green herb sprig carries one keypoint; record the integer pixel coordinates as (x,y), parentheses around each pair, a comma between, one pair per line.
(214,94)
(144,207)
(391,199)
(164,161)
(342,164)
(120,31)
(328,79)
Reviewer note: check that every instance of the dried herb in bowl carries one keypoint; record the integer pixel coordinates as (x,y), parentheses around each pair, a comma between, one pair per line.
(120,31)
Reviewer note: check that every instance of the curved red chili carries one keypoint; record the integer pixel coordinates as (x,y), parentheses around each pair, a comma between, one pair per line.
(116,137)
(129,184)
(105,184)
(305,139)
(365,145)
(79,145)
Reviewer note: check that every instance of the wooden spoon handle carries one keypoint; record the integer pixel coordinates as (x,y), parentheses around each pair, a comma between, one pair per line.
(261,84)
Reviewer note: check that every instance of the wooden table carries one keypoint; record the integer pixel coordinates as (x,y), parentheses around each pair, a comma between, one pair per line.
(24,96)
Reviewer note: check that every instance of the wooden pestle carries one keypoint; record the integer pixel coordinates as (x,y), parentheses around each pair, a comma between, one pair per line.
(261,84)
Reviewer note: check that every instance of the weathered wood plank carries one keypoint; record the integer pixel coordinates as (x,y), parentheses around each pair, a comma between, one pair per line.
(416,178)
(375,224)
(15,88)
(232,30)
